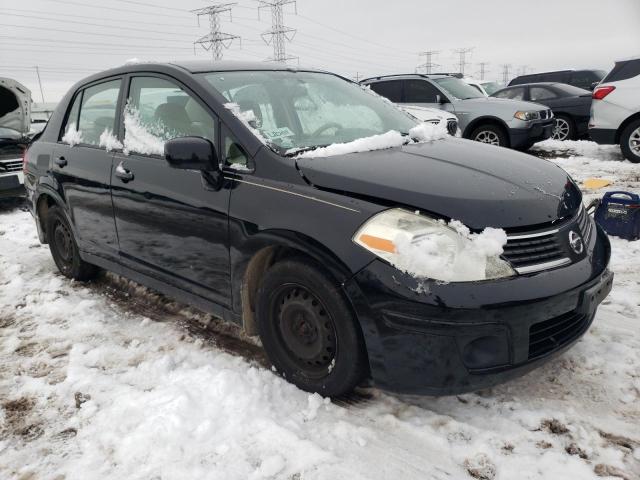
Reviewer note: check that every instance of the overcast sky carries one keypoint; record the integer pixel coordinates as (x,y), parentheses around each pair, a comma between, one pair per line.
(70,39)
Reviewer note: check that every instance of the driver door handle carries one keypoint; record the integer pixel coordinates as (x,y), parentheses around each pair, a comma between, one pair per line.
(123,174)
(61,161)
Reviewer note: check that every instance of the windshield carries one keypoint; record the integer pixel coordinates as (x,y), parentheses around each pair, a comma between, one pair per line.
(294,111)
(491,87)
(458,88)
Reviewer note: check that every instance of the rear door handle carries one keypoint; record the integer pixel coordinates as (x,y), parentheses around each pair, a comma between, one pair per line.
(123,174)
(61,161)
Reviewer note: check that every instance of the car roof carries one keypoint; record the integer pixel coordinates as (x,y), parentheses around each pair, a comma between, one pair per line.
(195,66)
(400,76)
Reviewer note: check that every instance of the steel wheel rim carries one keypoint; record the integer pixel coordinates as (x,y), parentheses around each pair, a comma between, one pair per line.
(634,141)
(560,129)
(305,330)
(487,136)
(63,243)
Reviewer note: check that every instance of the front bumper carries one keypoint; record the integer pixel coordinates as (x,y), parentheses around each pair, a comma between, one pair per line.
(528,135)
(440,339)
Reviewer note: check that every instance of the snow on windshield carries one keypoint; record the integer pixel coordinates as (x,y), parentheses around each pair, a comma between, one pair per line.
(423,132)
(421,258)
(72,136)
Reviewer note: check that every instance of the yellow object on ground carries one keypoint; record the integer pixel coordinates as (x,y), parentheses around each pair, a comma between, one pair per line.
(594,183)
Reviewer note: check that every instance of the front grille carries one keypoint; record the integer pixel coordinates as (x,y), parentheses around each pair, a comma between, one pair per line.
(546,114)
(532,252)
(547,336)
(12,165)
(452,127)
(527,251)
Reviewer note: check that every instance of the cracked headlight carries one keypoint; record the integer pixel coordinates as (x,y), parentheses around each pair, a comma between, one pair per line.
(428,248)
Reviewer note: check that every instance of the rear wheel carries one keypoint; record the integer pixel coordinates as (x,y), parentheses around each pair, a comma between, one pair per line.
(491,134)
(630,142)
(308,329)
(563,128)
(64,248)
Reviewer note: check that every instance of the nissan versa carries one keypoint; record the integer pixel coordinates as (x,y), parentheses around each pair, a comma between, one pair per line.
(209,182)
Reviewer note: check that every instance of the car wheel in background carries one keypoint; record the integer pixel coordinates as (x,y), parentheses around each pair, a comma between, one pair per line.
(308,330)
(64,249)
(563,128)
(491,134)
(630,142)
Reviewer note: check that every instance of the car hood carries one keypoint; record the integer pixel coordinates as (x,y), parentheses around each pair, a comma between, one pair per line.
(480,185)
(15,106)
(498,105)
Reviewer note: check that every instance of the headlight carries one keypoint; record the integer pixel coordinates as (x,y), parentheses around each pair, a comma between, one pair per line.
(429,248)
(526,116)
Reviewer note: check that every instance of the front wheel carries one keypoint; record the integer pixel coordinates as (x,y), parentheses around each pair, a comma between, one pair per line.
(64,248)
(308,329)
(630,142)
(491,134)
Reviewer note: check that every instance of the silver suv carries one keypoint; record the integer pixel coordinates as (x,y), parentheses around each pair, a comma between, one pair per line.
(507,123)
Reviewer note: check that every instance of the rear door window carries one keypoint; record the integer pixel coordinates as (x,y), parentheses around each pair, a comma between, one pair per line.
(98,111)
(420,91)
(511,93)
(391,89)
(623,71)
(538,94)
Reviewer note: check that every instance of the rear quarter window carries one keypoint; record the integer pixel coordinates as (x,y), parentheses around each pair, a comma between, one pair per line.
(623,71)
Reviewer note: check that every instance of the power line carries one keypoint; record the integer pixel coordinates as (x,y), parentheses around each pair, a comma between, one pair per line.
(279,33)
(428,64)
(215,40)
(101,7)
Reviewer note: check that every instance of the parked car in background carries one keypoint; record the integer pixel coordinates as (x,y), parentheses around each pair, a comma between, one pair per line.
(15,122)
(615,112)
(514,124)
(435,117)
(586,79)
(340,258)
(40,114)
(486,87)
(571,105)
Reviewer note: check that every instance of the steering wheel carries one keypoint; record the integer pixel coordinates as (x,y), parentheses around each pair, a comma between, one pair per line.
(326,126)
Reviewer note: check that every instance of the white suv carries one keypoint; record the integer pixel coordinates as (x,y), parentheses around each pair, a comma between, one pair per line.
(615,111)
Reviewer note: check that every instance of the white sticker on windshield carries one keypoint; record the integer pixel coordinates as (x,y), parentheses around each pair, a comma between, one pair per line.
(278,133)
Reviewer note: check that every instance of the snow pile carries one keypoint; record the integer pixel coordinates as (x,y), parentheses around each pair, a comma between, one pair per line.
(109,141)
(72,136)
(423,132)
(248,118)
(470,257)
(139,137)
(575,147)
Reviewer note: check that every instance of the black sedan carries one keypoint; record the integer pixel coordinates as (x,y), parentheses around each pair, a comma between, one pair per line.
(429,263)
(571,105)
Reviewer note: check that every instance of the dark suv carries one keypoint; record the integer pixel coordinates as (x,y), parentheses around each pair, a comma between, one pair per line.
(586,79)
(213,183)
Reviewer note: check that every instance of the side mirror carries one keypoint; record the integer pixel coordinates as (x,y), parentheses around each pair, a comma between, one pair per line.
(191,153)
(440,99)
(593,86)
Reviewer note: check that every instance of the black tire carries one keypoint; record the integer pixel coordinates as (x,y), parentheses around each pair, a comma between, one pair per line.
(630,142)
(64,248)
(563,127)
(491,134)
(308,329)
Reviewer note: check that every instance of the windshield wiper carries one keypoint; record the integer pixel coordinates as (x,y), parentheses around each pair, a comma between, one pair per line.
(292,152)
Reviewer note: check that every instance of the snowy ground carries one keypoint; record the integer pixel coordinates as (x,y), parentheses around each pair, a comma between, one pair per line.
(107,380)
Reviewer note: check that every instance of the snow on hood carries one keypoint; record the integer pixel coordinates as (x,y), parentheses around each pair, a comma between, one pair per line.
(423,132)
(15,106)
